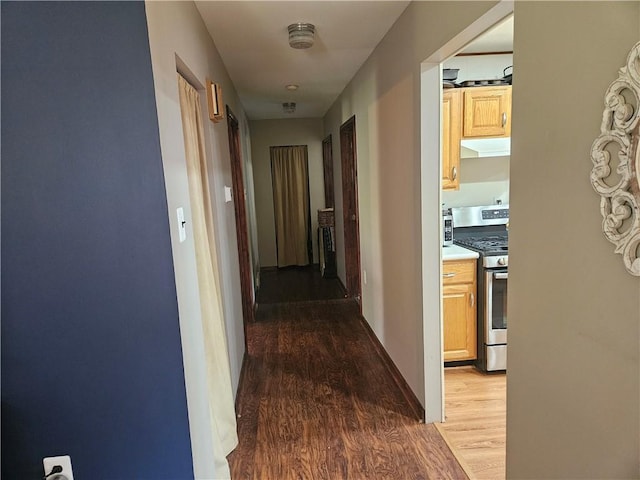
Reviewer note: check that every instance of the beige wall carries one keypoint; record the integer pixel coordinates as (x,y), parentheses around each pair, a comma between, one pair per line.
(179,39)
(574,333)
(385,98)
(270,133)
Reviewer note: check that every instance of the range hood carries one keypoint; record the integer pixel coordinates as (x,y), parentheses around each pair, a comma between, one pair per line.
(485,147)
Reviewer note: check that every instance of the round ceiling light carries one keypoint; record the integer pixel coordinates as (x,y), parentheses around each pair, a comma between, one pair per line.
(301,35)
(291,87)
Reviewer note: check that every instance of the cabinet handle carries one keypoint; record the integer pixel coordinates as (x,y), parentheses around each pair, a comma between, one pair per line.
(449,275)
(473,299)
(504,119)
(454,173)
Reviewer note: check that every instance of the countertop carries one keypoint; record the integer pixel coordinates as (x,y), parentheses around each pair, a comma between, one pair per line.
(456,252)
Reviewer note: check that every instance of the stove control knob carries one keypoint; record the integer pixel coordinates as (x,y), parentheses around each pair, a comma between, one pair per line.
(502,261)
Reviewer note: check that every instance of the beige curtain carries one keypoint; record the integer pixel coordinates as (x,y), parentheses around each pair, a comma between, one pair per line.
(290,175)
(221,403)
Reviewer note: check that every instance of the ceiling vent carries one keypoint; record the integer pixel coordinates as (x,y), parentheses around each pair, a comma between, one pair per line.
(289,107)
(301,35)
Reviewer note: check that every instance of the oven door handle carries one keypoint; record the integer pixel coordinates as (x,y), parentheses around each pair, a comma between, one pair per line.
(501,275)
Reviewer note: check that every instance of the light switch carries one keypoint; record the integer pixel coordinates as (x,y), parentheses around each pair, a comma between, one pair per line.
(228,195)
(182,225)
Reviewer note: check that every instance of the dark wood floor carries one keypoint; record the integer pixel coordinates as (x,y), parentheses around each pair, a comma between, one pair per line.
(316,402)
(297,284)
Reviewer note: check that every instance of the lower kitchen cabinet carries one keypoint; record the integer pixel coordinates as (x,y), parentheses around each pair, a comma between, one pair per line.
(459,305)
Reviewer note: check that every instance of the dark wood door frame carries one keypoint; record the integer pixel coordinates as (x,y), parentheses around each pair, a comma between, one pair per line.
(327,166)
(242,225)
(350,209)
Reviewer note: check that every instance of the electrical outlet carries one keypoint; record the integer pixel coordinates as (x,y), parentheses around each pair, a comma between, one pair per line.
(64,462)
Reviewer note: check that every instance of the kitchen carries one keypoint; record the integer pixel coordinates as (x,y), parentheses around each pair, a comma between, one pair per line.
(476,128)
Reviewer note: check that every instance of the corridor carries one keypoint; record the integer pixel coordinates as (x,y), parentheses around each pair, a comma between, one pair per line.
(316,402)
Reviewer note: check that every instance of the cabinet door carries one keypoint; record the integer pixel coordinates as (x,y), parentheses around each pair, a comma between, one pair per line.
(487,112)
(451,113)
(459,322)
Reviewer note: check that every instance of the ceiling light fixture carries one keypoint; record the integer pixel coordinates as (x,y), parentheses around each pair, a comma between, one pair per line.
(301,35)
(289,107)
(291,87)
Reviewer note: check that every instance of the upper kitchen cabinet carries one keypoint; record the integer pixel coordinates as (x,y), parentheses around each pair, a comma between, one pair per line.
(451,128)
(487,112)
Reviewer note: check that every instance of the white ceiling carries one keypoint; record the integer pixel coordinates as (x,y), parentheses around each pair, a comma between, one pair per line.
(252,39)
(497,39)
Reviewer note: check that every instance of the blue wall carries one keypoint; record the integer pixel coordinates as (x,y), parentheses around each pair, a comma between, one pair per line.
(91,356)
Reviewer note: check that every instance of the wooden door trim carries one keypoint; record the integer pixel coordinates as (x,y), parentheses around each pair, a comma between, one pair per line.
(327,166)
(352,255)
(242,225)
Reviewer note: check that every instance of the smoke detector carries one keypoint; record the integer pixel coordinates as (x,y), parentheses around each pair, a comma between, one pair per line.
(301,35)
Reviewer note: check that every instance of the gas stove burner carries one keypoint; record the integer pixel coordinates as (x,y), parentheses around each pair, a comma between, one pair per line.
(485,244)
(484,83)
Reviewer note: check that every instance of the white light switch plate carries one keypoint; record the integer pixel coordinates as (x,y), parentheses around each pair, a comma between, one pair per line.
(64,461)
(182,225)
(228,195)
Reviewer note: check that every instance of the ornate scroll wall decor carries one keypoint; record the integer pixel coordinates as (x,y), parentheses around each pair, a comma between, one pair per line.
(616,163)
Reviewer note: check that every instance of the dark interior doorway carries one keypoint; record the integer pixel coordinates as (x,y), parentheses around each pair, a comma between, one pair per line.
(242,229)
(327,166)
(350,208)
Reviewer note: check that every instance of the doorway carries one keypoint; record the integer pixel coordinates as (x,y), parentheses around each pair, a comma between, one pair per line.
(327,166)
(240,209)
(291,205)
(350,209)
(462,422)
(431,212)
(221,408)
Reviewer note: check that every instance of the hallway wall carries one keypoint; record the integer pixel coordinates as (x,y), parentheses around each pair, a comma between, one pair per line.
(180,41)
(385,98)
(271,133)
(574,366)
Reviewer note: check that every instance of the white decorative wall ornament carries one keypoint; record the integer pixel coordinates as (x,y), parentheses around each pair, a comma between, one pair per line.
(619,184)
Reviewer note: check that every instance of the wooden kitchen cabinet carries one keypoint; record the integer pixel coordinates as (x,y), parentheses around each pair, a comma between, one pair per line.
(487,112)
(451,129)
(459,310)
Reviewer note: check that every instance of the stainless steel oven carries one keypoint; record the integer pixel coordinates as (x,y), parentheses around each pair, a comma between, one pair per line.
(495,319)
(483,229)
